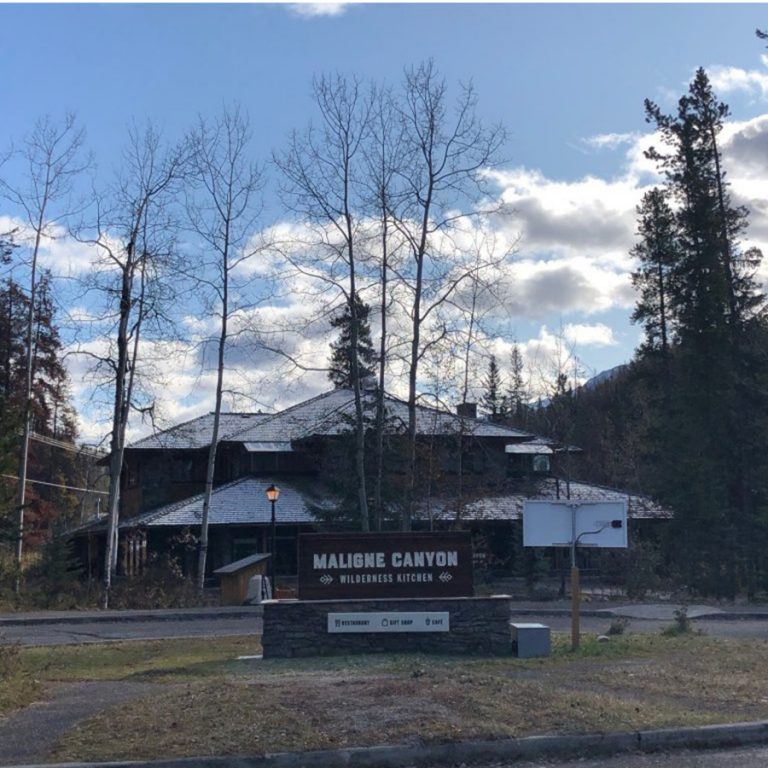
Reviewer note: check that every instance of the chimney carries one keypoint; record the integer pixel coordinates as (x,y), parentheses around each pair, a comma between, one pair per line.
(467,410)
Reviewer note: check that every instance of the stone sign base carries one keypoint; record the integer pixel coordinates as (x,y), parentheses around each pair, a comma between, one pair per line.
(476,626)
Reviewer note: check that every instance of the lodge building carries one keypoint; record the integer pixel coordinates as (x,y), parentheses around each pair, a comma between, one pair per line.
(471,474)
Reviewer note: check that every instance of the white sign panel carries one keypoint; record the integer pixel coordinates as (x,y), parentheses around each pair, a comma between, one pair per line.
(597,523)
(396,621)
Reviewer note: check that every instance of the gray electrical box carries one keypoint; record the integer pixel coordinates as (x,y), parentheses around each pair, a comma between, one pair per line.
(531,640)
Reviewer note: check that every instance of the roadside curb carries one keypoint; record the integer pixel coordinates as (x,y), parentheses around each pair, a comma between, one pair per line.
(244,613)
(117,617)
(532,747)
(257,612)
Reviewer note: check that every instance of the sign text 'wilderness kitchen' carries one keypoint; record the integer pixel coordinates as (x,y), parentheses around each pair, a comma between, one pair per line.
(382,565)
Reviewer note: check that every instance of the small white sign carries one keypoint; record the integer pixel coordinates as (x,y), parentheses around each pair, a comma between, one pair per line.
(596,524)
(413,621)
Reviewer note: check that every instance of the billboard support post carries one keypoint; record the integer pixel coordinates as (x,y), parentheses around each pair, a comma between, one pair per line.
(562,524)
(575,584)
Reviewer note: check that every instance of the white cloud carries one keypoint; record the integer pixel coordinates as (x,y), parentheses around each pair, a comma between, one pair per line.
(734,79)
(572,262)
(59,253)
(313,10)
(587,214)
(610,140)
(597,335)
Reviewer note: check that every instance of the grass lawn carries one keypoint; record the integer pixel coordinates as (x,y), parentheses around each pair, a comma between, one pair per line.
(210,703)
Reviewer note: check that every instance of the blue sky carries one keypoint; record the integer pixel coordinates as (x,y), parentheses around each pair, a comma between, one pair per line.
(556,76)
(553,73)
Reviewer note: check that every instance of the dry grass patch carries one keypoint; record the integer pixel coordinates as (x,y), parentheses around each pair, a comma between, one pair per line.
(254,707)
(25,672)
(17,687)
(718,676)
(142,660)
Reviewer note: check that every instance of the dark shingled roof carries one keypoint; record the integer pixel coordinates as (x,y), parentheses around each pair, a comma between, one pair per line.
(328,414)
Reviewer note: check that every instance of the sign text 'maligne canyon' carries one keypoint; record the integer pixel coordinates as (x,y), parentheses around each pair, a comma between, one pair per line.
(344,566)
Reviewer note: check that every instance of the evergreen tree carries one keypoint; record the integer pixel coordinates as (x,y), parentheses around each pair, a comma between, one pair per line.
(13,310)
(711,465)
(7,246)
(52,415)
(341,350)
(658,253)
(517,394)
(492,400)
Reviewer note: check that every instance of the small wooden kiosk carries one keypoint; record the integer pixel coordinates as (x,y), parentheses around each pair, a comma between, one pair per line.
(234,578)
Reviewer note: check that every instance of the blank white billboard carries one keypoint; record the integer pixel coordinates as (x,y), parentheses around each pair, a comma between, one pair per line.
(598,523)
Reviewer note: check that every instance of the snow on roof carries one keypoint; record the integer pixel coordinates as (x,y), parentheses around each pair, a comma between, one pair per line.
(510,506)
(265,446)
(534,449)
(435,421)
(333,413)
(242,502)
(197,433)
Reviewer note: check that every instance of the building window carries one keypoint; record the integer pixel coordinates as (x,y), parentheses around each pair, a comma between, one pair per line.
(540,464)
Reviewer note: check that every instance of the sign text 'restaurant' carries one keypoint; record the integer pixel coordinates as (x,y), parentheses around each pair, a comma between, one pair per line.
(405,621)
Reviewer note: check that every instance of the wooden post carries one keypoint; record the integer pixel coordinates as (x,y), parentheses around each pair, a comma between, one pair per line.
(575,598)
(575,586)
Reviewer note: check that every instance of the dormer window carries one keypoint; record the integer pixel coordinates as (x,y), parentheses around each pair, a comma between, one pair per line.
(527,459)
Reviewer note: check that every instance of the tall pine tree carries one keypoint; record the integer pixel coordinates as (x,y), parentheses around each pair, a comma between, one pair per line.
(657,253)
(52,415)
(712,469)
(340,372)
(517,395)
(492,401)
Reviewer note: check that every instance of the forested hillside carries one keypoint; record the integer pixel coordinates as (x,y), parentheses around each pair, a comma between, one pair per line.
(687,421)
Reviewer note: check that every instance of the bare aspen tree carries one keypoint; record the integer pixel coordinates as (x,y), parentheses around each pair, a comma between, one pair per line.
(476,302)
(559,375)
(134,233)
(383,154)
(222,211)
(52,158)
(322,170)
(479,303)
(440,184)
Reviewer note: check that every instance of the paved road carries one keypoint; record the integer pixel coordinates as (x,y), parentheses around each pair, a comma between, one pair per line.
(754,757)
(62,634)
(97,632)
(714,627)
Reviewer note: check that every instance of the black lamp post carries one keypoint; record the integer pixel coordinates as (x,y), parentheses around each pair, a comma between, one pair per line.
(273,493)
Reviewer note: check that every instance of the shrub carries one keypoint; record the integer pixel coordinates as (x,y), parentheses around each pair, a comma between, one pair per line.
(682,624)
(617,627)
(162,585)
(9,659)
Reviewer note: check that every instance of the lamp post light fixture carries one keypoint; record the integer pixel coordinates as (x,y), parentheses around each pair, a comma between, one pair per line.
(273,493)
